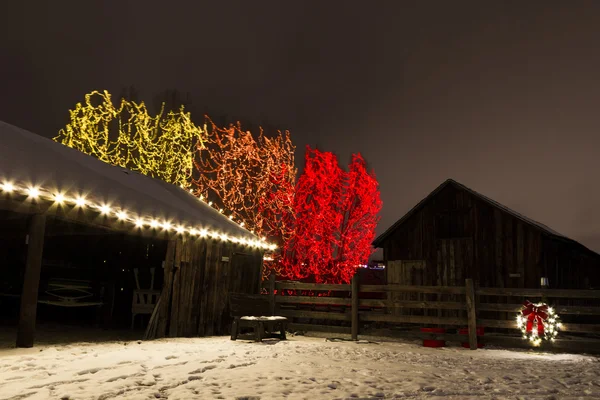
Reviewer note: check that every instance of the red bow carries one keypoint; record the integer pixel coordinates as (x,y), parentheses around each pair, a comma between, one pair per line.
(535,314)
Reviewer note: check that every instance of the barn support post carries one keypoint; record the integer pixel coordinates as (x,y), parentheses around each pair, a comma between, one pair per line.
(355,287)
(272,292)
(471,313)
(31,283)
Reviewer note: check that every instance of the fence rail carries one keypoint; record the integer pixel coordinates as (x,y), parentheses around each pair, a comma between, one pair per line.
(347,303)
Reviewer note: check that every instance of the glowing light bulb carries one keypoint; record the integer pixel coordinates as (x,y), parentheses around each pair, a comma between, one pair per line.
(105,209)
(193,232)
(221,210)
(210,203)
(203,232)
(201,197)
(8,187)
(33,192)
(122,215)
(80,201)
(166,225)
(139,222)
(59,198)
(242,224)
(179,229)
(153,223)
(231,217)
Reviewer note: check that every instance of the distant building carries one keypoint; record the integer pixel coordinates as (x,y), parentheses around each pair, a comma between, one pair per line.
(457,233)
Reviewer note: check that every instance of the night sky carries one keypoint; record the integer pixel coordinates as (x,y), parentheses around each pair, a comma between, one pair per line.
(502,96)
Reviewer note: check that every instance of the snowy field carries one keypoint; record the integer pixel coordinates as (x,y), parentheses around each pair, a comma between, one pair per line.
(299,368)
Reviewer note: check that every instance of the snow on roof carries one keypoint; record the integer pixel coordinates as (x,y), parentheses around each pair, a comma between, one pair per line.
(34,160)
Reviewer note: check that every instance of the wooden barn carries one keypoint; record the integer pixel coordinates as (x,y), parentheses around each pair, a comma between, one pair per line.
(82,237)
(457,233)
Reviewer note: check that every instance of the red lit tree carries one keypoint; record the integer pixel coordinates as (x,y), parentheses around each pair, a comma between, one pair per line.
(361,207)
(336,214)
(309,252)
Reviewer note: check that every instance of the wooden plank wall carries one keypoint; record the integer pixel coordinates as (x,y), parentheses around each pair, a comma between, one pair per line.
(199,274)
(496,249)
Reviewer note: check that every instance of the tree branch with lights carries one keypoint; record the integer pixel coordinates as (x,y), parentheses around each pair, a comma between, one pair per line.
(161,146)
(251,179)
(335,218)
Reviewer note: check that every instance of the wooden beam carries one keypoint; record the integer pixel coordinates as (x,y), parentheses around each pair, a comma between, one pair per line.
(355,289)
(33,266)
(311,286)
(471,316)
(413,289)
(272,293)
(548,293)
(411,319)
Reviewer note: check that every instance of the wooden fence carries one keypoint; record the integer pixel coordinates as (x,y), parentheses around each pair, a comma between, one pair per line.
(346,309)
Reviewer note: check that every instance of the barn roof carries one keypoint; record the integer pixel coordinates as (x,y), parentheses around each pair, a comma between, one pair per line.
(545,229)
(28,159)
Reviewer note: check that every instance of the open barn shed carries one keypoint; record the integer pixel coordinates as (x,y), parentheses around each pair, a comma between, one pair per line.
(79,234)
(456,233)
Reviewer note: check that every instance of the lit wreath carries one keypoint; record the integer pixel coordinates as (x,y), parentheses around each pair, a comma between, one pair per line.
(538,322)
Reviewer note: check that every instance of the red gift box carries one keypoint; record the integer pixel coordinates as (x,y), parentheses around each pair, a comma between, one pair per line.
(432,342)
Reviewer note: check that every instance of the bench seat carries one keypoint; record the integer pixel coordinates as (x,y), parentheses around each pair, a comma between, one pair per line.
(254,311)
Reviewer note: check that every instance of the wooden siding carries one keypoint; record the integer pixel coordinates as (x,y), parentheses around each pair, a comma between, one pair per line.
(199,274)
(462,234)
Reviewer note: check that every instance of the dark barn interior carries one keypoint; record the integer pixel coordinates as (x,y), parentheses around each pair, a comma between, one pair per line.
(87,274)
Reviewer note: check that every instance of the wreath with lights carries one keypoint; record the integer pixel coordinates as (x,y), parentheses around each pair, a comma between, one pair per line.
(538,322)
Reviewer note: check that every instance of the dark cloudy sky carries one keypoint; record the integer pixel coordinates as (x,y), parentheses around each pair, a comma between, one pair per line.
(502,96)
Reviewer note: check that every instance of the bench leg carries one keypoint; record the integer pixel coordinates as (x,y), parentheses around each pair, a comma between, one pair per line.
(282,329)
(234,329)
(259,331)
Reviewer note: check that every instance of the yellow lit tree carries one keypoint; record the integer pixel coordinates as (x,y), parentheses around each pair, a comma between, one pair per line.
(161,146)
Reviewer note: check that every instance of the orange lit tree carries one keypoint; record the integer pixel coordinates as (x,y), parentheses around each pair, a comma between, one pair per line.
(336,213)
(126,135)
(250,179)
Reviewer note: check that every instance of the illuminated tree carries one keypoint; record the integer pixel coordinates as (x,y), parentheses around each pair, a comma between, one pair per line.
(251,179)
(361,207)
(277,213)
(126,135)
(335,219)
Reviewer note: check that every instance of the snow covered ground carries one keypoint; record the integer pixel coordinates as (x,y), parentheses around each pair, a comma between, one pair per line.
(299,368)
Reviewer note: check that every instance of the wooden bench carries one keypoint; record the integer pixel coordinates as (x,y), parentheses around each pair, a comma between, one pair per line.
(254,311)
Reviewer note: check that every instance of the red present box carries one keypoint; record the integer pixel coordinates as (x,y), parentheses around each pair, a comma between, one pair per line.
(432,342)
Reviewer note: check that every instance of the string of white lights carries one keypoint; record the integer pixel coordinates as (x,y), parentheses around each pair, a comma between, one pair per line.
(122,215)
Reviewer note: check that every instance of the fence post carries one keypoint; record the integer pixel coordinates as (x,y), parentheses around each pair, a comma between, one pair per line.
(355,285)
(471,313)
(272,293)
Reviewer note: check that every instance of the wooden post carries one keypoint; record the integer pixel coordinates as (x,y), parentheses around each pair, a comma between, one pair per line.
(31,283)
(355,285)
(272,292)
(471,313)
